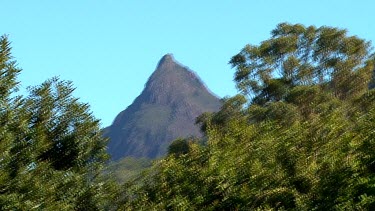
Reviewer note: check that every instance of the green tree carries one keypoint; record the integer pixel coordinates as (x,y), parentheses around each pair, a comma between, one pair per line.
(179,147)
(302,141)
(51,146)
(298,55)
(9,108)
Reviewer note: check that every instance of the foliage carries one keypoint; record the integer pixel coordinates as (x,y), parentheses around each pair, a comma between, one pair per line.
(179,147)
(303,56)
(127,168)
(51,146)
(304,140)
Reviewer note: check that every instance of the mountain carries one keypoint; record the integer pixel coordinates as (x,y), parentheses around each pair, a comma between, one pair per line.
(165,110)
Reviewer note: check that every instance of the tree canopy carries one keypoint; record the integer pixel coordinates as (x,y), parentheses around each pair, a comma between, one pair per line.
(298,136)
(51,147)
(296,55)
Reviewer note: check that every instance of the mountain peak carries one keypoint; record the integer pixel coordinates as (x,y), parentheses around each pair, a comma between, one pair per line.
(167,57)
(173,97)
(166,61)
(171,80)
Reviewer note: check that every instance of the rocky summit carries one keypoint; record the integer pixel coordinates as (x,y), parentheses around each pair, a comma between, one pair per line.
(167,108)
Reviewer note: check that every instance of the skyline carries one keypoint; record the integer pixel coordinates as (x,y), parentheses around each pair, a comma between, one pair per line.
(109,49)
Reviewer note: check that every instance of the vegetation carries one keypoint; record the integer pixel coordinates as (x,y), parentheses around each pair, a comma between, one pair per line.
(298,136)
(127,169)
(52,150)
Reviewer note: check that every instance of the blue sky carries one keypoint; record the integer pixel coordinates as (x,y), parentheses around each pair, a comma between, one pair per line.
(110,48)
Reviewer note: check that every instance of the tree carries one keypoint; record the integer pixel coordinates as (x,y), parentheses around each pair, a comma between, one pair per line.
(51,146)
(179,147)
(9,118)
(297,55)
(303,140)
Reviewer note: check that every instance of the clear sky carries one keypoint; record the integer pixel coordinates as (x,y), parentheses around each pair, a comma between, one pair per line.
(110,48)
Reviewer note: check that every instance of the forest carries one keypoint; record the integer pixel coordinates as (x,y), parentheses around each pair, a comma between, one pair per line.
(299,135)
